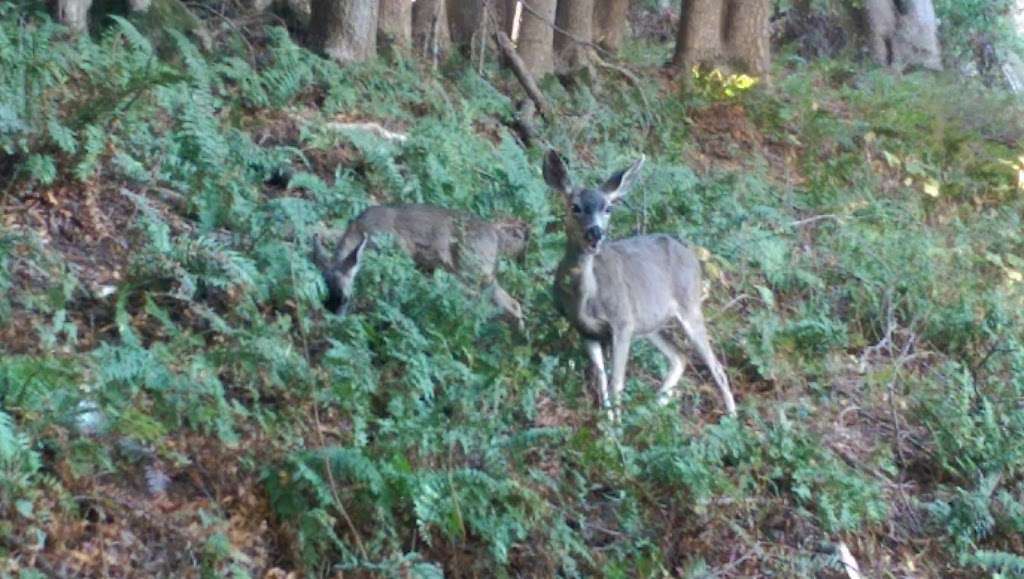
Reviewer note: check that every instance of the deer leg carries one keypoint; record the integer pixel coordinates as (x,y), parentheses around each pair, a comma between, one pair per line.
(676,361)
(596,355)
(621,339)
(508,304)
(698,334)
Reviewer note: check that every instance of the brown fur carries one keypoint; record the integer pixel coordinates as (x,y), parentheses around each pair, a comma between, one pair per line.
(435,237)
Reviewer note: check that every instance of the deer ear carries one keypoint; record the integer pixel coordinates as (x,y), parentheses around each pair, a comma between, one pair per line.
(355,258)
(620,183)
(556,174)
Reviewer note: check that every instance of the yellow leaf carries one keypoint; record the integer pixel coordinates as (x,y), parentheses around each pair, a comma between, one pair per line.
(1014,275)
(931,188)
(702,253)
(870,137)
(744,82)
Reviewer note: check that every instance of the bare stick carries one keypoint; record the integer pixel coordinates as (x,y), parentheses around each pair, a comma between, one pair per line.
(814,219)
(516,20)
(482,32)
(524,76)
(368,127)
(433,39)
(852,568)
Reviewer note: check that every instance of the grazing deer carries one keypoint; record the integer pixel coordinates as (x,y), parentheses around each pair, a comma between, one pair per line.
(614,291)
(434,237)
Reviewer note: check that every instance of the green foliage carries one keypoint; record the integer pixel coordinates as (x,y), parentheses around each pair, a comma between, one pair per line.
(963,21)
(19,466)
(419,435)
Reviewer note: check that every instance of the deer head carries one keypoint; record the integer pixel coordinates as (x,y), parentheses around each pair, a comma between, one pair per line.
(339,273)
(589,210)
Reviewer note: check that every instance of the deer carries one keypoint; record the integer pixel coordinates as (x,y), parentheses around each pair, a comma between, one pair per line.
(434,237)
(613,292)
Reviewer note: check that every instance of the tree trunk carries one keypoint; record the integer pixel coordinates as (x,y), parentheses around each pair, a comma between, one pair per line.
(903,38)
(731,34)
(699,38)
(505,12)
(536,37)
(610,23)
(881,21)
(74,14)
(572,48)
(748,38)
(430,35)
(917,36)
(463,20)
(344,30)
(394,24)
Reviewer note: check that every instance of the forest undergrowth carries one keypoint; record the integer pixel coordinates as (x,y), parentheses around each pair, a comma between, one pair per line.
(175,401)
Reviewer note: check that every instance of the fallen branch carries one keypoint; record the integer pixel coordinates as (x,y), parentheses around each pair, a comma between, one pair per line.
(814,219)
(852,568)
(369,128)
(523,122)
(524,76)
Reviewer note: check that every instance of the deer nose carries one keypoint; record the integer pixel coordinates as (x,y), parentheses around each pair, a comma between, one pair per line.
(593,234)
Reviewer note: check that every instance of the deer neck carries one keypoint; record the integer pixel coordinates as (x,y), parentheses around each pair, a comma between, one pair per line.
(581,284)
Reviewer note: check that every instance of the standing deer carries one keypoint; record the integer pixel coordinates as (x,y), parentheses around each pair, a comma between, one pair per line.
(434,237)
(614,291)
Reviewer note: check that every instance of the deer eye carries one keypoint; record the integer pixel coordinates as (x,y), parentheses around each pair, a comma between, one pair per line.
(608,208)
(576,209)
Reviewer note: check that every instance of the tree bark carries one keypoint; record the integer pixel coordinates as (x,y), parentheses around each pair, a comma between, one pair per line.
(463,20)
(903,38)
(536,37)
(573,50)
(730,34)
(699,38)
(344,30)
(610,23)
(74,14)
(748,37)
(881,21)
(430,36)
(394,24)
(505,12)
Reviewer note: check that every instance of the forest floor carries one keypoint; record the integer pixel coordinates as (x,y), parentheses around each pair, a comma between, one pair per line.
(176,402)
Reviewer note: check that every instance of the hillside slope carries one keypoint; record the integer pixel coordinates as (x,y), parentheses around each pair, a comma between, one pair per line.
(174,401)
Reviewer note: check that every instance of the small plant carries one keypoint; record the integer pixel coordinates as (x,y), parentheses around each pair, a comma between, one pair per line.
(715,85)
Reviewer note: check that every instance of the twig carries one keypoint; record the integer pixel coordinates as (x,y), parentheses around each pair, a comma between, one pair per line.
(433,38)
(852,568)
(814,219)
(482,32)
(732,303)
(370,128)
